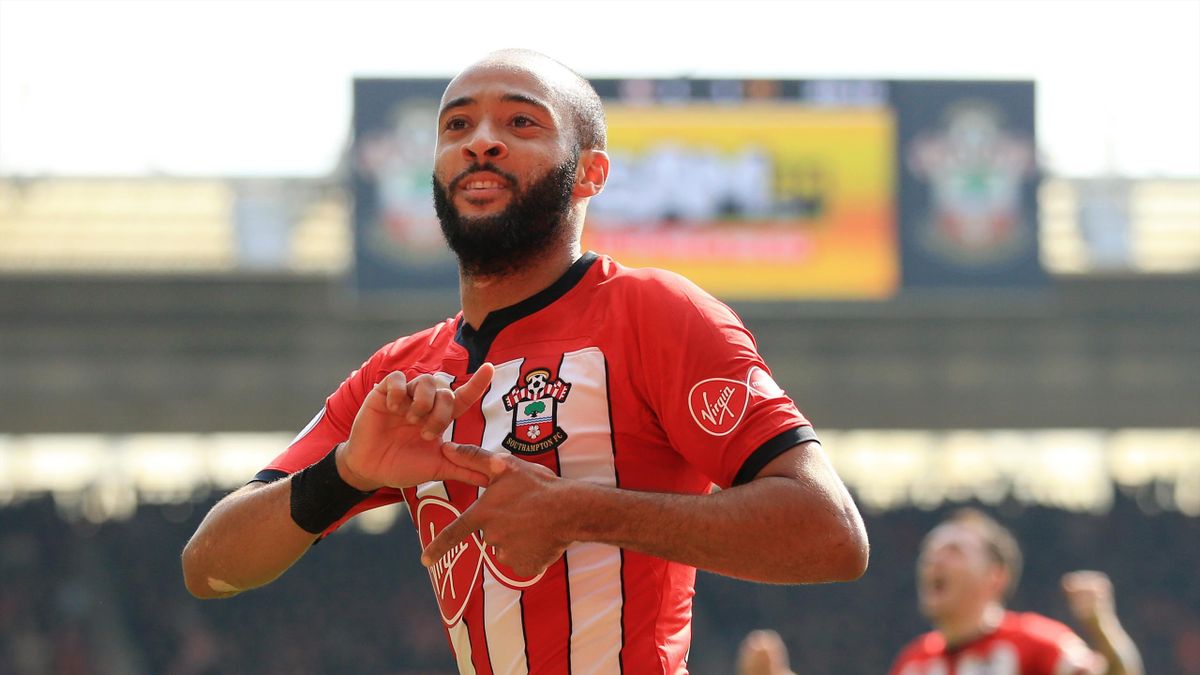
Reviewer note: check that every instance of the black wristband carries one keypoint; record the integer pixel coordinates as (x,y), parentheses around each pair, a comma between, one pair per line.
(320,497)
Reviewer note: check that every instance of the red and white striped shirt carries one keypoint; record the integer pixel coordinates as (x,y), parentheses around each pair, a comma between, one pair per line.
(633,378)
(1023,644)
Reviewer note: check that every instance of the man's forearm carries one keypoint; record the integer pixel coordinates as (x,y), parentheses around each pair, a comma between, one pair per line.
(772,529)
(1109,638)
(247,540)
(793,523)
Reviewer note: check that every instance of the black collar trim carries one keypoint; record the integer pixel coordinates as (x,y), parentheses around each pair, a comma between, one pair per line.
(479,342)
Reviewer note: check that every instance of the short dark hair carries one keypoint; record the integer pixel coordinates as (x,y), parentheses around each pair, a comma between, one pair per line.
(1000,544)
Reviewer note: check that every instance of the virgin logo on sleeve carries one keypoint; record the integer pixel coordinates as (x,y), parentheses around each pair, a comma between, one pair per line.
(718,404)
(455,574)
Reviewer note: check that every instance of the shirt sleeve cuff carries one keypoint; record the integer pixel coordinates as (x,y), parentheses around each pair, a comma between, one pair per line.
(771,449)
(267,476)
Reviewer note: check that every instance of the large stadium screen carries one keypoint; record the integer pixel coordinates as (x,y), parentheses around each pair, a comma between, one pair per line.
(769,200)
(754,189)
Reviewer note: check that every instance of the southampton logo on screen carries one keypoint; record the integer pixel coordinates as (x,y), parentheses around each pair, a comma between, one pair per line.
(534,406)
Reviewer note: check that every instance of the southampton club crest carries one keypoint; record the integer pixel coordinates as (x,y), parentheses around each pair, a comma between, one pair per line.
(976,170)
(534,406)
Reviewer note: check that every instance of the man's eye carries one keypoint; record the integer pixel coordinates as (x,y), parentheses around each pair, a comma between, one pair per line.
(456,124)
(522,121)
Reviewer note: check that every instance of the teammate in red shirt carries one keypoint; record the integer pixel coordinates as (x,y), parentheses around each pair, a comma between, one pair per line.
(967,567)
(557,441)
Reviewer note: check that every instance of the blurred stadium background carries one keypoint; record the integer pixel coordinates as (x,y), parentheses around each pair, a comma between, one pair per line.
(964,324)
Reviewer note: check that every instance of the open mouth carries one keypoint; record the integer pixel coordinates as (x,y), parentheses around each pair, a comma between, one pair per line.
(482,189)
(933,584)
(481,184)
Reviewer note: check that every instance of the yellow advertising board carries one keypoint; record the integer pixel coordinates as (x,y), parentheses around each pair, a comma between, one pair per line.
(758,201)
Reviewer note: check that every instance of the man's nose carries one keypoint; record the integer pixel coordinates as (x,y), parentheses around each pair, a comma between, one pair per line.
(484,144)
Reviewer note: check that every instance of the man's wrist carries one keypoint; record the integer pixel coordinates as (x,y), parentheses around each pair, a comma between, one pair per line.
(1104,621)
(321,497)
(581,513)
(348,475)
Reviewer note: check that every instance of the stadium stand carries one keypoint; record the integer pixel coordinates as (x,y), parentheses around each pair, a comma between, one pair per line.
(83,598)
(188,225)
(172,225)
(151,356)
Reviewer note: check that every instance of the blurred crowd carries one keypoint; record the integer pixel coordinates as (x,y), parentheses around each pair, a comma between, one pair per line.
(81,598)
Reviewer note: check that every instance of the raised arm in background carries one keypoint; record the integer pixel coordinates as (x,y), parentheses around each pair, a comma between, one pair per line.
(1090,597)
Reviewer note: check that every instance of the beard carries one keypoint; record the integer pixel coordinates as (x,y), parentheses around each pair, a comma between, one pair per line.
(534,220)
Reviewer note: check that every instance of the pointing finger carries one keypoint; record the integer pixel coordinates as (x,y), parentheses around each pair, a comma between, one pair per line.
(466,395)
(454,472)
(455,533)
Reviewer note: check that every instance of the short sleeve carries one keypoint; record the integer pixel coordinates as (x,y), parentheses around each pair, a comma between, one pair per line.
(331,426)
(332,423)
(909,661)
(1054,648)
(713,394)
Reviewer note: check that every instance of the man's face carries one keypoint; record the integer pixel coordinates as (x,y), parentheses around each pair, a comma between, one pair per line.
(955,573)
(505,167)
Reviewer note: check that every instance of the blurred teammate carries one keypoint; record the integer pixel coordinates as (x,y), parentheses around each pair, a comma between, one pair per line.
(967,568)
(762,652)
(617,398)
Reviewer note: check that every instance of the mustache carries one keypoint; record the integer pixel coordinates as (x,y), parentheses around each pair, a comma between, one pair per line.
(481,168)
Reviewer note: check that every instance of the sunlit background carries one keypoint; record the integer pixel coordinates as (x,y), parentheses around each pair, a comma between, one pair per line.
(965,234)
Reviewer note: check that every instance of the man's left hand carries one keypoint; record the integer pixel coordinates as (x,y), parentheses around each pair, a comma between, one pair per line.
(1089,595)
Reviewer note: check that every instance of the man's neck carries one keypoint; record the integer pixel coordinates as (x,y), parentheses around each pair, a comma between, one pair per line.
(483,295)
(957,631)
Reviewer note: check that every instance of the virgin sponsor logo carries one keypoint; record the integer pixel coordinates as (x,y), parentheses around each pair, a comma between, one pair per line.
(455,575)
(718,404)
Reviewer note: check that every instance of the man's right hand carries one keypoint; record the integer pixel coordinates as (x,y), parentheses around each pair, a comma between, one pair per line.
(397,433)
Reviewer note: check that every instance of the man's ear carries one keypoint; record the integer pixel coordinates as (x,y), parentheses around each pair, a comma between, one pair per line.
(998,579)
(591,174)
